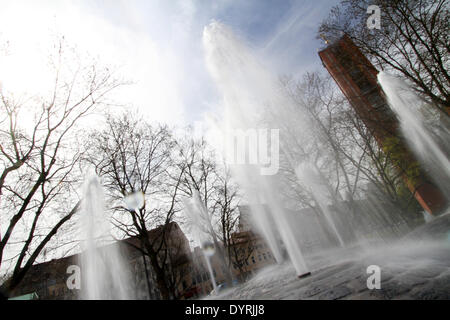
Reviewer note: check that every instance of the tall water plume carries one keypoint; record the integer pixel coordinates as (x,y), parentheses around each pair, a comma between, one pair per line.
(311,177)
(104,272)
(427,130)
(248,89)
(256,102)
(200,225)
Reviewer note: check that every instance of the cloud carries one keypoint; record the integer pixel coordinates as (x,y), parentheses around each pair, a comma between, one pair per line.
(157,44)
(292,47)
(31,28)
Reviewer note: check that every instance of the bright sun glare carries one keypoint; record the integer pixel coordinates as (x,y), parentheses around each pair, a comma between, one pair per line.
(24,64)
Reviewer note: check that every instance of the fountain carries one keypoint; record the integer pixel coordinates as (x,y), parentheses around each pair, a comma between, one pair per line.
(426,129)
(246,88)
(311,177)
(253,99)
(200,225)
(104,272)
(209,250)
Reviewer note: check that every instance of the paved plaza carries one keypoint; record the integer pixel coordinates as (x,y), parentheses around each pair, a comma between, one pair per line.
(416,267)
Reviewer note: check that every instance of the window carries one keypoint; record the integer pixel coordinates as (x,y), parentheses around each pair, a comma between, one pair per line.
(253,259)
(264,256)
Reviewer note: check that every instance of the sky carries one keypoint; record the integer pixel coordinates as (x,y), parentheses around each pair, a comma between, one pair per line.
(157,44)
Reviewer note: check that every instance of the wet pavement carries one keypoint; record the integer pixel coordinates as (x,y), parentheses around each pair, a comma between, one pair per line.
(416,267)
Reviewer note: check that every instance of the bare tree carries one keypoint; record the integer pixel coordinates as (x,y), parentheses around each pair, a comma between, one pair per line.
(345,151)
(204,177)
(39,153)
(226,205)
(177,266)
(240,248)
(133,156)
(413,40)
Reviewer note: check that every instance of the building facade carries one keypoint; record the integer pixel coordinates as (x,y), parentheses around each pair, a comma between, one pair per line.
(49,280)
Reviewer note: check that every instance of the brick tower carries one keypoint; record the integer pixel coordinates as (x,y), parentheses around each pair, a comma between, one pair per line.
(357,78)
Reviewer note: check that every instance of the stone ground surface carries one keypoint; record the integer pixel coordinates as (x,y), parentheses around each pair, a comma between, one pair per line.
(416,267)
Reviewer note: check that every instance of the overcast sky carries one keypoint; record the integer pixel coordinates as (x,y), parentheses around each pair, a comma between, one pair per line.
(158,44)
